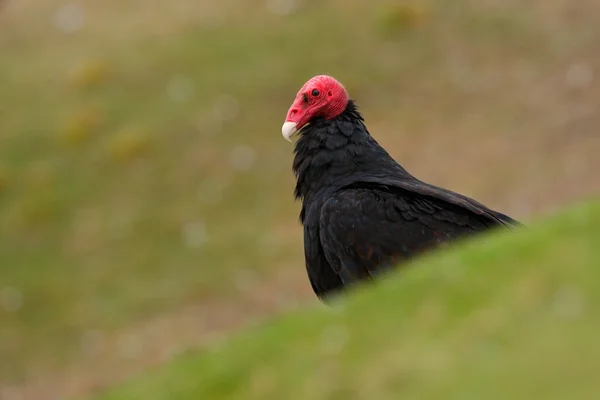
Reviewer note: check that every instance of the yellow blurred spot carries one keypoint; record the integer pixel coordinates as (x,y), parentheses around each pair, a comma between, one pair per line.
(401,17)
(90,73)
(129,143)
(79,127)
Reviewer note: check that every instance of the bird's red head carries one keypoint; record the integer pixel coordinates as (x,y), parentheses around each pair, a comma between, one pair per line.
(321,96)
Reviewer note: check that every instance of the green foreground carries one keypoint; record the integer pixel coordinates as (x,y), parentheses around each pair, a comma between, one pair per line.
(512,315)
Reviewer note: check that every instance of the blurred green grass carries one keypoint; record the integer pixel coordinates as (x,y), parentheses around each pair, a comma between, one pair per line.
(119,198)
(513,315)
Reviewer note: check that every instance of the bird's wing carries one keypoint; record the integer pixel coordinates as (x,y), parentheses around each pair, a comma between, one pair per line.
(323,279)
(437,194)
(364,230)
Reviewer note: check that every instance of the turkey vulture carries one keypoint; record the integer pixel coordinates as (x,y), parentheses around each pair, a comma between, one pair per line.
(362,212)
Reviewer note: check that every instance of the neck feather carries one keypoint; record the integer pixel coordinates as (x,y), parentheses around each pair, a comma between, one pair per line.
(331,150)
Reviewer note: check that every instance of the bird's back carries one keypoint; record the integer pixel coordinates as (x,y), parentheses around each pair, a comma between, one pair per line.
(365,229)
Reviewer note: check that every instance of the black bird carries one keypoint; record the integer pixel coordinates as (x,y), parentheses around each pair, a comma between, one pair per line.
(362,212)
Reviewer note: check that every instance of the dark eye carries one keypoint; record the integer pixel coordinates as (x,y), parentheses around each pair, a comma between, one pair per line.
(316,92)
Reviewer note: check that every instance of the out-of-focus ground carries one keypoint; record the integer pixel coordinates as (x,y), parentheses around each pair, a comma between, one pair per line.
(499,317)
(145,189)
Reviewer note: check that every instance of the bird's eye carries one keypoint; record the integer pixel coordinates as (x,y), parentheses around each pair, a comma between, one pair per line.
(315,92)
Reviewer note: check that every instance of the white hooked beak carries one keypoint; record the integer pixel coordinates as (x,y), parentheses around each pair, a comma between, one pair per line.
(288,130)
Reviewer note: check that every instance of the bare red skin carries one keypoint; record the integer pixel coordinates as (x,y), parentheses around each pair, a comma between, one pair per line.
(322,96)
